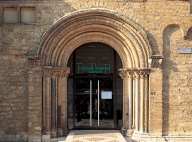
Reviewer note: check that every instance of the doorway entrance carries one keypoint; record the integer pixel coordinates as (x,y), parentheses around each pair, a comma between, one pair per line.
(94,88)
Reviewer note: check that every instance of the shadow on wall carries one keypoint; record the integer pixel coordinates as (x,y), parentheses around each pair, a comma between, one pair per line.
(153,43)
(169,68)
(189,34)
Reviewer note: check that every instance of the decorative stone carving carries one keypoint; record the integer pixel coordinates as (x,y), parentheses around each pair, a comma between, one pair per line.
(126,74)
(133,73)
(56,72)
(65,73)
(136,74)
(155,61)
(143,74)
(33,62)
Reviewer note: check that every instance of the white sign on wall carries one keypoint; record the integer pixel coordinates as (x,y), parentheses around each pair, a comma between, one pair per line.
(106,94)
(184,50)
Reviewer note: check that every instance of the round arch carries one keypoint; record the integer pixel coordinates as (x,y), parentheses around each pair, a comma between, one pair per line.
(88,26)
(95,25)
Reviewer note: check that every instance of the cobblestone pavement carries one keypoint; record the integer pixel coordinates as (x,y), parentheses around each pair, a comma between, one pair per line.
(95,136)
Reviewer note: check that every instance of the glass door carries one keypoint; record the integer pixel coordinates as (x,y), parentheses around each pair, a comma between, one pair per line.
(94,88)
(94,103)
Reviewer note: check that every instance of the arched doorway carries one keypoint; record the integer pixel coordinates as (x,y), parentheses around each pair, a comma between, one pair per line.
(95,26)
(94,76)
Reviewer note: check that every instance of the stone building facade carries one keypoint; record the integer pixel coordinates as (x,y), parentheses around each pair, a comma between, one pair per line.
(152,38)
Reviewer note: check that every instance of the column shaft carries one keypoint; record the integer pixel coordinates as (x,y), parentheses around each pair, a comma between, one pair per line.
(125,103)
(146,103)
(133,104)
(44,103)
(64,103)
(141,101)
(47,104)
(137,102)
(53,107)
(59,96)
(130,103)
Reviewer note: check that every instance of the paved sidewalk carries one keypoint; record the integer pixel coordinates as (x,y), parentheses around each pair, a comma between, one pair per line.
(94,136)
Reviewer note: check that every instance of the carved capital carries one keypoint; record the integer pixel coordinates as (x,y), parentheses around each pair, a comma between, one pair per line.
(141,74)
(136,74)
(144,74)
(126,74)
(33,62)
(65,72)
(55,72)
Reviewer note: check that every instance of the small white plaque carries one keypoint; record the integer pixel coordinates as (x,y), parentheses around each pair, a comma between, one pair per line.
(106,94)
(183,50)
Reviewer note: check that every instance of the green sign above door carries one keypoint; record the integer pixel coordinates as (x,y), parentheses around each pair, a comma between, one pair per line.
(94,69)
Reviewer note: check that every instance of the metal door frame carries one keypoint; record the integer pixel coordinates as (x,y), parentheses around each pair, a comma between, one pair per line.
(114,77)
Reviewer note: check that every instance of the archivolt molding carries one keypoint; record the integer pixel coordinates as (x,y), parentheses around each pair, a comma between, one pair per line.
(102,25)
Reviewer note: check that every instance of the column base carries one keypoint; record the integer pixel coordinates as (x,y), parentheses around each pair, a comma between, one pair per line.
(46,137)
(123,131)
(59,132)
(155,139)
(129,133)
(53,134)
(145,137)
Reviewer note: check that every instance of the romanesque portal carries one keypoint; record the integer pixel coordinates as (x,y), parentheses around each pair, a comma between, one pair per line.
(127,39)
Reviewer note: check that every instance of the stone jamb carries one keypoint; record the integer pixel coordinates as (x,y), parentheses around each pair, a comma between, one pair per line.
(140,91)
(146,102)
(141,101)
(137,98)
(59,74)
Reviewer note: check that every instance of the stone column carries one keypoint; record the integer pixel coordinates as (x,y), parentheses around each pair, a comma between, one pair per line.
(130,114)
(137,96)
(53,107)
(141,103)
(63,102)
(59,96)
(47,101)
(55,100)
(133,122)
(54,74)
(146,102)
(124,75)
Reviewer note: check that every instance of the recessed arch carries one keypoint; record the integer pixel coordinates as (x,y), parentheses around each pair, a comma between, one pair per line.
(102,26)
(95,25)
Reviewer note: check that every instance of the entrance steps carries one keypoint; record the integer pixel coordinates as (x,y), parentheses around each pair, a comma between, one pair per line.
(93,136)
(60,139)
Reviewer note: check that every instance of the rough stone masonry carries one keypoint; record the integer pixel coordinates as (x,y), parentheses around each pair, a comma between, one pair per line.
(23,24)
